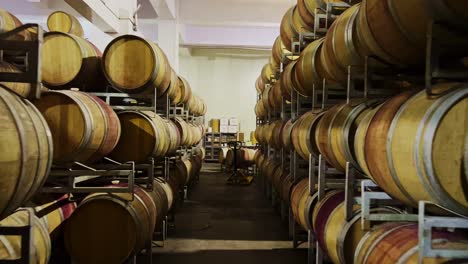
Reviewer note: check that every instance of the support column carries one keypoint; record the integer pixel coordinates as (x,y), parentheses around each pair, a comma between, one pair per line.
(168,40)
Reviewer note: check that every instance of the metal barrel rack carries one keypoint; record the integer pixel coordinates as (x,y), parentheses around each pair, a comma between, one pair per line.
(29,62)
(29,59)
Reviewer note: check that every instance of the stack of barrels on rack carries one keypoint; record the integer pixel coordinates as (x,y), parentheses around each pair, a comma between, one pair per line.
(68,124)
(412,144)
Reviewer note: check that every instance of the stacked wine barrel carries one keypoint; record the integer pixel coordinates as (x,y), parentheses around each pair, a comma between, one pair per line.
(69,124)
(412,145)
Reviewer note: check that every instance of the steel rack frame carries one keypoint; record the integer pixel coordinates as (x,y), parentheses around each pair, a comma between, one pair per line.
(323,18)
(441,40)
(31,59)
(371,194)
(27,237)
(159,105)
(298,167)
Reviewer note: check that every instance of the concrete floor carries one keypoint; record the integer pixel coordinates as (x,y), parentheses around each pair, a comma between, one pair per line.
(227,224)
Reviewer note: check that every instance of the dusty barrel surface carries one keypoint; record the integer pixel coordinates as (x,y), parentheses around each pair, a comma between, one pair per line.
(83,127)
(26,151)
(425,147)
(10,246)
(110,228)
(69,61)
(64,22)
(144,135)
(136,65)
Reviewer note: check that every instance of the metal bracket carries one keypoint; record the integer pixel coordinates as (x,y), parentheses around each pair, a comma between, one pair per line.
(27,237)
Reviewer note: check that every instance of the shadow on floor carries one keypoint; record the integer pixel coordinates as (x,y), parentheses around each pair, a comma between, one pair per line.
(221,223)
(275,256)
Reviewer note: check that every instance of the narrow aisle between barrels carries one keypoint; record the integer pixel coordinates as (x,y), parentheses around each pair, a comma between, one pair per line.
(221,223)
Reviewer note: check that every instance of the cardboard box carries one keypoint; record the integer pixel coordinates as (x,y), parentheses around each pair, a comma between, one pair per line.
(224,129)
(210,129)
(233,122)
(233,129)
(240,136)
(214,124)
(224,122)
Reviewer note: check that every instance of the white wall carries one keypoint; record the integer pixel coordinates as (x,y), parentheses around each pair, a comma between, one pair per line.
(227,84)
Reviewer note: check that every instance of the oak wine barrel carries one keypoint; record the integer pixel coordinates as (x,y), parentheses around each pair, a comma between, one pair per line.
(26,151)
(21,89)
(268,73)
(136,65)
(83,127)
(259,85)
(341,132)
(69,61)
(309,70)
(197,164)
(280,51)
(167,190)
(260,111)
(288,81)
(339,51)
(183,93)
(173,88)
(110,228)
(113,130)
(292,24)
(10,246)
(244,158)
(53,219)
(181,172)
(342,237)
(10,22)
(161,200)
(360,139)
(223,153)
(144,135)
(196,106)
(184,131)
(388,29)
(174,137)
(322,212)
(286,133)
(286,188)
(63,22)
(303,134)
(276,138)
(303,203)
(425,147)
(398,243)
(375,145)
